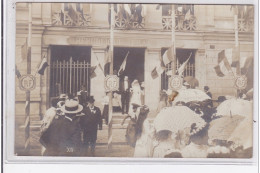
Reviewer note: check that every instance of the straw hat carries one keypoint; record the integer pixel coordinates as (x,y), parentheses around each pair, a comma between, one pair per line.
(71,107)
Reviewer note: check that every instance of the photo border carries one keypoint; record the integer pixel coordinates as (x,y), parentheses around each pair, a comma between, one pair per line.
(9,97)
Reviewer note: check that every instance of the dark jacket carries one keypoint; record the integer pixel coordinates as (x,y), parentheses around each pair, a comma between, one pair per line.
(83,97)
(90,122)
(62,138)
(122,86)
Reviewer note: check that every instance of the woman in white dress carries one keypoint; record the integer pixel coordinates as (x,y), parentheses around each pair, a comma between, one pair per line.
(144,135)
(136,95)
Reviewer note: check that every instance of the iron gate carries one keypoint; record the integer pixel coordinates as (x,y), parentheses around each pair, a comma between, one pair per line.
(68,76)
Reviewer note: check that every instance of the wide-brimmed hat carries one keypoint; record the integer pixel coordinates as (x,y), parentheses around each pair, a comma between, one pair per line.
(135,105)
(91,99)
(71,107)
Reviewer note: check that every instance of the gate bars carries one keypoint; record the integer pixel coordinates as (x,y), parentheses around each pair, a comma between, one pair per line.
(68,76)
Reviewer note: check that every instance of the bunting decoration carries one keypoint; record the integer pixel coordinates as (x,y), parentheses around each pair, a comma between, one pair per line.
(223,67)
(183,66)
(123,65)
(24,50)
(92,72)
(107,61)
(44,64)
(73,14)
(168,56)
(17,72)
(158,70)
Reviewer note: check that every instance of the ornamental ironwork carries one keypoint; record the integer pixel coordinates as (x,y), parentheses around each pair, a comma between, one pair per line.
(181,24)
(245,25)
(64,18)
(131,23)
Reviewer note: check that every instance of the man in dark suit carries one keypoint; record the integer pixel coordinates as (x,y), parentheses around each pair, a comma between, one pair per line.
(63,136)
(89,123)
(125,94)
(83,96)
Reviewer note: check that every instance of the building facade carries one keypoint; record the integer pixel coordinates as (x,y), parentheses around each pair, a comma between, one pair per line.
(57,31)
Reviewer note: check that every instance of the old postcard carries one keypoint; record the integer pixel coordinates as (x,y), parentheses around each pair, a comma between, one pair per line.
(134,80)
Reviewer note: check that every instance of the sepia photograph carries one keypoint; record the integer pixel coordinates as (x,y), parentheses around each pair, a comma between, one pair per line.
(134,80)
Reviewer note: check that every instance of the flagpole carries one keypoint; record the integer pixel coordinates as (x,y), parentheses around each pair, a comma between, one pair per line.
(238,72)
(110,114)
(173,64)
(236,37)
(27,103)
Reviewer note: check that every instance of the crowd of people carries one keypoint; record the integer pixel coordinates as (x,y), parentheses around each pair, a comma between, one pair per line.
(70,125)
(190,141)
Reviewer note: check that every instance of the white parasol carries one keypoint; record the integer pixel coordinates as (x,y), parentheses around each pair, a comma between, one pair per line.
(243,134)
(235,107)
(223,127)
(178,118)
(188,95)
(250,94)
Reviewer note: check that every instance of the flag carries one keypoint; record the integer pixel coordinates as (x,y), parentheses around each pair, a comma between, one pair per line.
(98,64)
(62,16)
(218,71)
(128,15)
(92,72)
(73,14)
(235,56)
(223,67)
(154,73)
(138,13)
(44,64)
(183,66)
(115,12)
(248,63)
(168,56)
(127,9)
(108,58)
(249,12)
(122,67)
(24,50)
(120,12)
(17,72)
(158,70)
(187,16)
(179,9)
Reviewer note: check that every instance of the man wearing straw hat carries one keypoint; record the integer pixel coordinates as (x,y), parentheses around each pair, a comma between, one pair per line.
(89,123)
(63,137)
